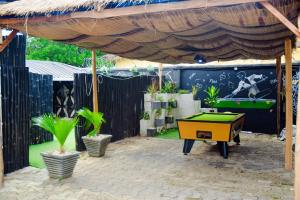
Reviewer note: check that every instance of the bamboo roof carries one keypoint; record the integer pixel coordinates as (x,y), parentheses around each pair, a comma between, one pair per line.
(173,32)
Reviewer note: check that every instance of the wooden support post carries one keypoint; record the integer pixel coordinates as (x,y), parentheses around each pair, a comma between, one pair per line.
(289,106)
(1,36)
(95,88)
(278,74)
(297,145)
(160,74)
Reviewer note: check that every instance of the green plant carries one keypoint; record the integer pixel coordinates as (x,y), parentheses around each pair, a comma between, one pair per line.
(60,128)
(169,87)
(152,89)
(158,113)
(92,118)
(169,110)
(212,96)
(183,91)
(145,116)
(195,90)
(160,98)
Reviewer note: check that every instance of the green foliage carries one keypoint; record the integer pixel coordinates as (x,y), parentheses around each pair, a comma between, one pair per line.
(158,113)
(145,116)
(183,91)
(169,87)
(169,110)
(92,118)
(60,128)
(42,49)
(160,98)
(212,96)
(152,89)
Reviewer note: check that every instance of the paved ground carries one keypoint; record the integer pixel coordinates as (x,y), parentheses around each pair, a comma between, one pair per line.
(151,168)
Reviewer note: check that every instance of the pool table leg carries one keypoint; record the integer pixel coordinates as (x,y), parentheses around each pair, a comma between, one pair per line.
(187,147)
(237,139)
(225,150)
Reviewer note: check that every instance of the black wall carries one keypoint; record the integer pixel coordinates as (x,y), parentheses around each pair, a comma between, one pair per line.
(63,98)
(15,105)
(120,99)
(41,96)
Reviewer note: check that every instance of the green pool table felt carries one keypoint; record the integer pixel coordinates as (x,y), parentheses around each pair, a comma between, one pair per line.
(214,117)
(244,104)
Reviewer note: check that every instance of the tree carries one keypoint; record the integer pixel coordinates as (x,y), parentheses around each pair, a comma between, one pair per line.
(42,49)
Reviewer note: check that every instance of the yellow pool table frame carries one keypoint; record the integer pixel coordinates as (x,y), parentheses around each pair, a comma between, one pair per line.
(220,131)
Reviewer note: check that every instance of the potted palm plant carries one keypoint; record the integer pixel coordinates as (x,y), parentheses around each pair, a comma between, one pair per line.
(212,97)
(95,142)
(60,164)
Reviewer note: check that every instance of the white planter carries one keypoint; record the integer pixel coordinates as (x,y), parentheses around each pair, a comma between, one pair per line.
(96,146)
(144,125)
(148,97)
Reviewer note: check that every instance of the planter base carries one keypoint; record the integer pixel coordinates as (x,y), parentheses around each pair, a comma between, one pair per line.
(96,146)
(60,166)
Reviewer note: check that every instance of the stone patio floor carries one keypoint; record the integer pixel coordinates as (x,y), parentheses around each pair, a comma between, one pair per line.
(151,168)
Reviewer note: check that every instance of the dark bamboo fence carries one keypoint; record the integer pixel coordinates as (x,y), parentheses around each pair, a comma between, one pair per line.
(41,102)
(15,105)
(120,99)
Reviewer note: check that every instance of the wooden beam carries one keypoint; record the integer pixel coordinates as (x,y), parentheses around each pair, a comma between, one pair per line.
(281,18)
(95,87)
(160,74)
(129,11)
(278,74)
(289,106)
(9,38)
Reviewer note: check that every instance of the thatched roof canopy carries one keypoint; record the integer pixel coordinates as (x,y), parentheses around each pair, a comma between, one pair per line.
(172,32)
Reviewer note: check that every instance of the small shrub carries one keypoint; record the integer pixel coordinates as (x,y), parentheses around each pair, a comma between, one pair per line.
(212,96)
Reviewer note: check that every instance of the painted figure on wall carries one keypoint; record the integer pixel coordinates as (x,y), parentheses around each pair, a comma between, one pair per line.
(248,83)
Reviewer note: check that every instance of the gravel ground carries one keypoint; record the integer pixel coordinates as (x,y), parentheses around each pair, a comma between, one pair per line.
(152,168)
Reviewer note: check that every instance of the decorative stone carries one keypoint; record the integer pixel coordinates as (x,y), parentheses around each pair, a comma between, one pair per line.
(96,145)
(59,165)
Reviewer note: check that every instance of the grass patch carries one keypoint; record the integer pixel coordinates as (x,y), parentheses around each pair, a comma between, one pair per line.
(36,160)
(169,134)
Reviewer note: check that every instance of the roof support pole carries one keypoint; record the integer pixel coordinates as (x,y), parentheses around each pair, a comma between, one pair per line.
(278,74)
(1,38)
(281,17)
(289,105)
(297,146)
(160,74)
(95,88)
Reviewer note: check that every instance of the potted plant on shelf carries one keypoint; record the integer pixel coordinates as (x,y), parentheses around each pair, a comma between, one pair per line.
(60,164)
(145,123)
(169,119)
(95,142)
(212,97)
(159,121)
(172,102)
(151,92)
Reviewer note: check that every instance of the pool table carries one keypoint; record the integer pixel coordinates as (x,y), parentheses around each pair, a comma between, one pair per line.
(219,127)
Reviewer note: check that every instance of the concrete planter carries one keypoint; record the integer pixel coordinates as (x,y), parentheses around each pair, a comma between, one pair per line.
(169,119)
(60,166)
(173,104)
(155,105)
(159,122)
(144,125)
(151,132)
(148,97)
(96,146)
(164,105)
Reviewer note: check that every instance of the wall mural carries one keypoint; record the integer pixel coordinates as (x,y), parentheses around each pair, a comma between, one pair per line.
(239,87)
(63,99)
(294,88)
